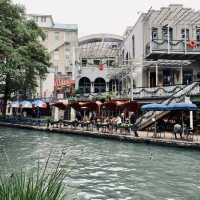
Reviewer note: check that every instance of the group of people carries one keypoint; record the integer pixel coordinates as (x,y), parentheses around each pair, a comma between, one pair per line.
(111,122)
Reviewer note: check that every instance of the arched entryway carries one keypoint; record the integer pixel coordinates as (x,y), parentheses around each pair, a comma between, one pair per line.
(99,85)
(113,85)
(84,85)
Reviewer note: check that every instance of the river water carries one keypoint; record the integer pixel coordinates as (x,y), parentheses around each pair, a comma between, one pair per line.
(100,169)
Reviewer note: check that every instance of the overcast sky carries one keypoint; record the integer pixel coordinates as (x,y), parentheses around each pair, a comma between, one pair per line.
(99,16)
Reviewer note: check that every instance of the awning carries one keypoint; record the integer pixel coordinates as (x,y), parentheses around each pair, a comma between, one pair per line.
(170,107)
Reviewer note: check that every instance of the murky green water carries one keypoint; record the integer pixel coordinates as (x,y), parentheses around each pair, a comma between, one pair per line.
(109,170)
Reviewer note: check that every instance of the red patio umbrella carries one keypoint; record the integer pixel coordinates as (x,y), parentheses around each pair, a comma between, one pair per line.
(60,105)
(131,106)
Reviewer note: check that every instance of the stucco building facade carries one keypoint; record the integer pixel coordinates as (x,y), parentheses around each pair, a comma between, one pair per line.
(61,42)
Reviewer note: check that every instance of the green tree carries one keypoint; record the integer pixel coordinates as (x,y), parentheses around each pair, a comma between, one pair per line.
(23,59)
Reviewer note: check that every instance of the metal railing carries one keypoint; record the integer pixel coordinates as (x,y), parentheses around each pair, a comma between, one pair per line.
(161,91)
(180,46)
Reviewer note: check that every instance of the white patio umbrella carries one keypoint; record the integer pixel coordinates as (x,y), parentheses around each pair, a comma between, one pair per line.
(39,103)
(15,104)
(26,104)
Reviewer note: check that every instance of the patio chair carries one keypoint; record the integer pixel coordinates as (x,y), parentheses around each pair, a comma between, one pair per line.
(189,132)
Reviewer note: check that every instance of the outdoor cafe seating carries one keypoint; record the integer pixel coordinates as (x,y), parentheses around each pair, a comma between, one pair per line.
(186,132)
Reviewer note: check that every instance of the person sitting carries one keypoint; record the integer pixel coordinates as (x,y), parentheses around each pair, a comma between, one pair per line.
(122,117)
(177,129)
(118,122)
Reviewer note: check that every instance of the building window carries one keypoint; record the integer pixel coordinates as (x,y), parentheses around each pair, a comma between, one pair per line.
(43,19)
(165,33)
(57,35)
(187,77)
(36,19)
(183,34)
(69,74)
(114,46)
(56,54)
(110,63)
(133,45)
(123,55)
(198,34)
(84,62)
(154,33)
(127,58)
(96,62)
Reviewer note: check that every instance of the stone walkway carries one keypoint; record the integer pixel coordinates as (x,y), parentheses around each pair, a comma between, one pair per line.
(144,137)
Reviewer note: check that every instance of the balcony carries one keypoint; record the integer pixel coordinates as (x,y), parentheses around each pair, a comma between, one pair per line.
(174,49)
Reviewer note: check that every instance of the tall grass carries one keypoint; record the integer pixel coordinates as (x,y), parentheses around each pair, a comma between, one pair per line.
(40,184)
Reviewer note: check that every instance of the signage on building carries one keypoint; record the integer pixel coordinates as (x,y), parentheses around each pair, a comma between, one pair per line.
(60,83)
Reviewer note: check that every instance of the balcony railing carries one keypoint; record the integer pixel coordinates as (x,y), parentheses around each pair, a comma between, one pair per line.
(173,46)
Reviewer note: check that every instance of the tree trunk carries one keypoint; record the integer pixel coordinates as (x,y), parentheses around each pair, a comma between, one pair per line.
(6,94)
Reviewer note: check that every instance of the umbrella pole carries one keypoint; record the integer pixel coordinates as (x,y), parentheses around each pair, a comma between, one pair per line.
(155,126)
(182,122)
(191,120)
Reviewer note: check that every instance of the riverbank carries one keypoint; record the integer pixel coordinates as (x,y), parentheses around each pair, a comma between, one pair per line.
(119,137)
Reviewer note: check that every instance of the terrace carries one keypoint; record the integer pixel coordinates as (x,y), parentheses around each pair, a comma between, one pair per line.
(173,32)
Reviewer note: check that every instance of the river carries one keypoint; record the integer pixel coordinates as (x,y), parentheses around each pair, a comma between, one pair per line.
(100,169)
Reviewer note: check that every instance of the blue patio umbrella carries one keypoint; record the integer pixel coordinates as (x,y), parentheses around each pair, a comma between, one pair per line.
(181,107)
(154,107)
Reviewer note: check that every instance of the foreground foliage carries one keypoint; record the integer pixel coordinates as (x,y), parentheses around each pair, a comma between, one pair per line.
(39,185)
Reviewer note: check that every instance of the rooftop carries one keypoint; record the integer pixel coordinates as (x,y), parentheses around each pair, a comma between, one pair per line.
(66,26)
(73,27)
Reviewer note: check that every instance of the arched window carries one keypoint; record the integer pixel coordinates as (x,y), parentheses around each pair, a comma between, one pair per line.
(84,85)
(127,57)
(99,85)
(123,56)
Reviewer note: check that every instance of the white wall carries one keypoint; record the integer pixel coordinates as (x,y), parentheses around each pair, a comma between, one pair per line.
(137,31)
(48,85)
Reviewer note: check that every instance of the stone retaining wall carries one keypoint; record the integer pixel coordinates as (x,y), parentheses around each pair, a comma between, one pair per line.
(125,138)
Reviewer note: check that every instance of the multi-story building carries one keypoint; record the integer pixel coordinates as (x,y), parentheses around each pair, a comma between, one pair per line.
(61,42)
(163,47)
(99,57)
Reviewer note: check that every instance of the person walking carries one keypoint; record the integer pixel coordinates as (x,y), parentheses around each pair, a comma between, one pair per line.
(133,123)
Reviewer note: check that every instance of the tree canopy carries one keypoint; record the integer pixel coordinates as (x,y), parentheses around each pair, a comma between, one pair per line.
(23,59)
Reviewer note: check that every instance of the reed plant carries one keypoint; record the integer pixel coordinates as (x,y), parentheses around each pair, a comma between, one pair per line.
(39,184)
